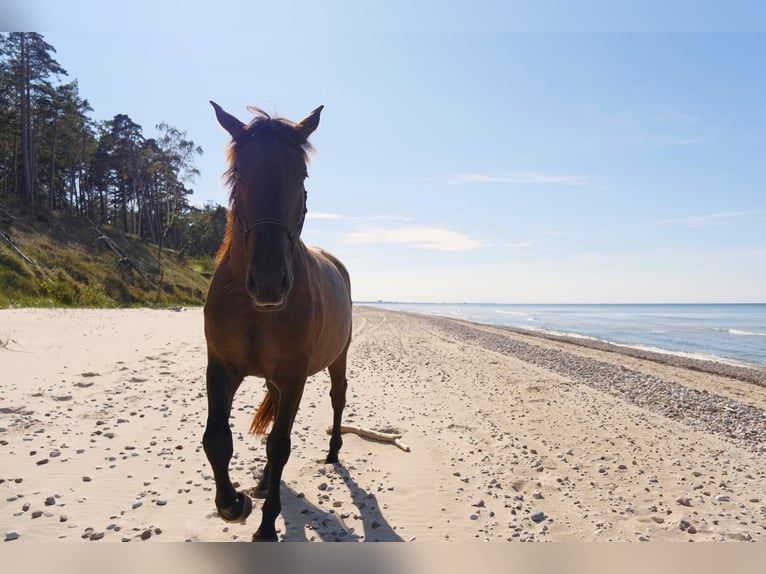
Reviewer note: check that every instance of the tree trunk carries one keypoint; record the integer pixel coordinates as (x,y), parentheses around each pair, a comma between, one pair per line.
(26,129)
(52,188)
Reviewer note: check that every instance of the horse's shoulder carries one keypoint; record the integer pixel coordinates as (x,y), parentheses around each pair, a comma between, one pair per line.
(324,257)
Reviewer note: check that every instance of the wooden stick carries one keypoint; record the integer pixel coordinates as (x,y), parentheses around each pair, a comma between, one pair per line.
(374,435)
(12,245)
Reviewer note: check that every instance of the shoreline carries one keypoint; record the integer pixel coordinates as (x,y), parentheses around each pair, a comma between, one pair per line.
(741,368)
(513,437)
(741,371)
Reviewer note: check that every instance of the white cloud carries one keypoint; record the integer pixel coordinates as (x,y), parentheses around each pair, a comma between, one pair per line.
(676,142)
(723,218)
(338,216)
(672,115)
(523,244)
(390,218)
(418,238)
(524,178)
(315,215)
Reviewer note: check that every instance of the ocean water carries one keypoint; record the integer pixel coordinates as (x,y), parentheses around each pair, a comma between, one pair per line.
(733,332)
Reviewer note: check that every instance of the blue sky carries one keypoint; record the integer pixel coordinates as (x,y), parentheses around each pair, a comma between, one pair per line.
(494,152)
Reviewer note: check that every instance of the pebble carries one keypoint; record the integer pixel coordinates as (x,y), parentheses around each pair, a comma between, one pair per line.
(86,479)
(723,498)
(146,535)
(746,424)
(136,504)
(11,535)
(50,501)
(161,502)
(37,513)
(538,516)
(684,501)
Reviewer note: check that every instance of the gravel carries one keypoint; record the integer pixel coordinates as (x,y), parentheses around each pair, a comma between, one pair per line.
(701,410)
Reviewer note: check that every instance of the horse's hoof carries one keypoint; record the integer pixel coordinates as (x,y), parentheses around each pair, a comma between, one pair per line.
(332,458)
(258,537)
(239,510)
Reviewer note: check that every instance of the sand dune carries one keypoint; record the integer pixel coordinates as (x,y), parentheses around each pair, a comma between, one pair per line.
(513,438)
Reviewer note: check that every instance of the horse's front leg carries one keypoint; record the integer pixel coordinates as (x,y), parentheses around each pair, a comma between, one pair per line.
(286,397)
(232,505)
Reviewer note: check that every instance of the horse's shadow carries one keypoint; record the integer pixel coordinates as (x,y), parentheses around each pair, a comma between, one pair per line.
(305,521)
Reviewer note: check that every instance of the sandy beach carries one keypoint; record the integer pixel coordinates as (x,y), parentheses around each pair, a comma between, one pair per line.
(512,437)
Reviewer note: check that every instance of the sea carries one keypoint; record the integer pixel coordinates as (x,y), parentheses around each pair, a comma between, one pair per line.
(734,333)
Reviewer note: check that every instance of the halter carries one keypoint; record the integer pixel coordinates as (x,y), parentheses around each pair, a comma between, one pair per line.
(292,234)
(242,140)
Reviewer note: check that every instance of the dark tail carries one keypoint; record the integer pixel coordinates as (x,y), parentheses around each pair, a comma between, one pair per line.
(263,417)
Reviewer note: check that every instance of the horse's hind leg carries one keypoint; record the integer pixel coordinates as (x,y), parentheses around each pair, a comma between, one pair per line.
(338,386)
(218,444)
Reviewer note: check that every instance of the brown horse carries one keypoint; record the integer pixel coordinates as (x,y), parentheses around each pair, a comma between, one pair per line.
(276,308)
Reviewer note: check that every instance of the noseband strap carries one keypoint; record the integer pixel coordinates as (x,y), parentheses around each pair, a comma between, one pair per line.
(292,234)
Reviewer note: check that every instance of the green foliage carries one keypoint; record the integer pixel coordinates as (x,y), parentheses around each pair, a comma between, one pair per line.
(203,230)
(53,154)
(65,179)
(72,268)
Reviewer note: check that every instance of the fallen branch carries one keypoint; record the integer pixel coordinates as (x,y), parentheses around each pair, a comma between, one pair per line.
(5,213)
(123,257)
(374,435)
(12,245)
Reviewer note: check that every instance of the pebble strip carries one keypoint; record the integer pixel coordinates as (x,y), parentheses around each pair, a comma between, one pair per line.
(701,410)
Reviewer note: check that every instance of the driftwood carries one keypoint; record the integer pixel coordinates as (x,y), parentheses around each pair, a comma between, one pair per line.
(120,253)
(374,435)
(12,245)
(7,214)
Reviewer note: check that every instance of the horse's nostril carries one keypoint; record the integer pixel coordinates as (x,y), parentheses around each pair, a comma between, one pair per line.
(250,283)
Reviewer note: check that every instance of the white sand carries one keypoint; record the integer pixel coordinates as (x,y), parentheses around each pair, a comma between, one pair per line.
(102,414)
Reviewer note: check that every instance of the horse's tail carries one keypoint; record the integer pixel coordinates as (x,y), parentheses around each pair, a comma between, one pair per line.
(263,417)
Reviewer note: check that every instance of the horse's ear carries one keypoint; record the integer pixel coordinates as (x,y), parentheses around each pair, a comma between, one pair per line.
(308,124)
(228,122)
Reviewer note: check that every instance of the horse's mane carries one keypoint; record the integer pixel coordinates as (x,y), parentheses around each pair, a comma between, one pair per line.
(261,126)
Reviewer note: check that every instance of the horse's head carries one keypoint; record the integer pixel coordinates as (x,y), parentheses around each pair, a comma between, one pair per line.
(268,198)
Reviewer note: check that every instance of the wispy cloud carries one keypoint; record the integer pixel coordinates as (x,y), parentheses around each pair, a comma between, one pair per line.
(418,238)
(523,178)
(316,215)
(672,115)
(524,244)
(404,218)
(676,142)
(723,218)
(338,216)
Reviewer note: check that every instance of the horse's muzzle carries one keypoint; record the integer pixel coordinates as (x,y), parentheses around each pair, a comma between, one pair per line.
(269,292)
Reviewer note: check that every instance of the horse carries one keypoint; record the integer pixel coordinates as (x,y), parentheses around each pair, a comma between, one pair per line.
(275,309)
